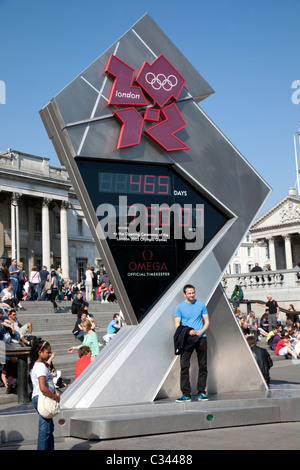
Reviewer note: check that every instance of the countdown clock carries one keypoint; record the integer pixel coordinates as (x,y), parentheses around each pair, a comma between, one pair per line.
(168,200)
(149,248)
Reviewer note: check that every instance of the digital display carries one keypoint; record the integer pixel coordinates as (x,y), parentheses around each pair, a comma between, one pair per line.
(156,185)
(154,221)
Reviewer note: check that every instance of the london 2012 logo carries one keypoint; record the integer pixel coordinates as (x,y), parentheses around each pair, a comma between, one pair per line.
(159,83)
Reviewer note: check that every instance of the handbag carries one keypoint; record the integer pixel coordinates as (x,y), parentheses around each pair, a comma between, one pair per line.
(47,407)
(48,287)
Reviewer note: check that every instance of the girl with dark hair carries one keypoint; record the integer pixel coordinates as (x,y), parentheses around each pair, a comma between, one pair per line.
(42,381)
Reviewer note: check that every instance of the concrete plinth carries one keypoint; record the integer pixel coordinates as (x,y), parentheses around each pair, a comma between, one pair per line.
(279,404)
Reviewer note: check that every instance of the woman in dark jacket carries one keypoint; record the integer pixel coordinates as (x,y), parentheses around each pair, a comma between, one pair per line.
(54,289)
(4,277)
(262,357)
(291,315)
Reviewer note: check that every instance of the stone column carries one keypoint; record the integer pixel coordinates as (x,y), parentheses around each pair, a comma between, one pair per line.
(15,231)
(64,244)
(288,252)
(256,251)
(272,254)
(46,233)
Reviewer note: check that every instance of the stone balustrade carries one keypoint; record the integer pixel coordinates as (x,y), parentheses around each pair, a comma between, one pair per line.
(283,286)
(263,279)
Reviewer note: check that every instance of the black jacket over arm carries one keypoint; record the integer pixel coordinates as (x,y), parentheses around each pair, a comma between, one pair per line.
(182,340)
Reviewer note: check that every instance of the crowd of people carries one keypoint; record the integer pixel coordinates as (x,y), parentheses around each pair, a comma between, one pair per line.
(17,286)
(283,339)
(45,378)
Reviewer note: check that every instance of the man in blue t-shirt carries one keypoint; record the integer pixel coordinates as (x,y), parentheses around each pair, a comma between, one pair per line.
(192,313)
(115,325)
(14,276)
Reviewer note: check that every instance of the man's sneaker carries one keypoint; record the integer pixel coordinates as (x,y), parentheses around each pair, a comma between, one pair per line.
(183,399)
(202,397)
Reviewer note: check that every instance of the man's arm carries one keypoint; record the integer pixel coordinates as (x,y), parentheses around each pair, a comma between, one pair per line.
(4,380)
(178,323)
(118,324)
(3,304)
(13,270)
(205,324)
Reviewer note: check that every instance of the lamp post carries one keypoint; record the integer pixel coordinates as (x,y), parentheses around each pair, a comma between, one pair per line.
(296,158)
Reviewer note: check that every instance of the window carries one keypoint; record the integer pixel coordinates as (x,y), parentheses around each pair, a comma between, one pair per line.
(267,252)
(38,222)
(57,223)
(81,267)
(237,268)
(249,251)
(38,264)
(79,227)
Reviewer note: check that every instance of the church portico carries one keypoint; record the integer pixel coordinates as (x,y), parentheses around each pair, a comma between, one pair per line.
(276,235)
(41,217)
(273,242)
(282,251)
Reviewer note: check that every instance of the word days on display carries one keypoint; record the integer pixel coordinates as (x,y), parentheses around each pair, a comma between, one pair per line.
(160,82)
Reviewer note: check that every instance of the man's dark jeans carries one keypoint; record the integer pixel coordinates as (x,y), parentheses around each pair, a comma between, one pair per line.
(201,350)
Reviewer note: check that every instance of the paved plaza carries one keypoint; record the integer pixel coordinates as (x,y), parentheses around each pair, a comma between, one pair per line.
(281,436)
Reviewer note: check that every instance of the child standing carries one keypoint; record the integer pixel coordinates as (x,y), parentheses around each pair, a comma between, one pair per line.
(42,381)
(85,359)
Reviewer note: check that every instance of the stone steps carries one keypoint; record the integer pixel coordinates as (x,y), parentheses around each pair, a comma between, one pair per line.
(57,329)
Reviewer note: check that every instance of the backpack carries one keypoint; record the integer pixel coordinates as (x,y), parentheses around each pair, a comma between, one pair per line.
(270,341)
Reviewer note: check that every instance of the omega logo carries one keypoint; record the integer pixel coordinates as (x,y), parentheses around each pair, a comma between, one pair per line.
(147,254)
(147,265)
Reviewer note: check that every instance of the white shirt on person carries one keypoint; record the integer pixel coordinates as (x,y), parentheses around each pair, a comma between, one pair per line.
(7,294)
(40,369)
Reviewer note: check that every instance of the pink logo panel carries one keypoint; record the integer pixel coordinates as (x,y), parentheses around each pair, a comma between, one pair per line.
(163,133)
(161,81)
(132,127)
(123,92)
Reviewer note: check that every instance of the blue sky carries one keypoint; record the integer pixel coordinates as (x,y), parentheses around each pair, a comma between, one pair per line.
(247,51)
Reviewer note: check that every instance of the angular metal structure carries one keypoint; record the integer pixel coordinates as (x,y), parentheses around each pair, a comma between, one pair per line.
(191,165)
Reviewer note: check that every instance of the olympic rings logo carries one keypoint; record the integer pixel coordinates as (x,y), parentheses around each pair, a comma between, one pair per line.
(161,81)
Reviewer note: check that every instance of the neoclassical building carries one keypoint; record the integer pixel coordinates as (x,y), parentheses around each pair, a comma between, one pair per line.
(41,221)
(274,238)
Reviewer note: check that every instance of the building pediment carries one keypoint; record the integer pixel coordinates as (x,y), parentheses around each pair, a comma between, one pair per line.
(285,213)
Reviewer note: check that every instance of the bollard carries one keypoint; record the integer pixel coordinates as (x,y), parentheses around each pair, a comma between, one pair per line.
(22,379)
(22,355)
